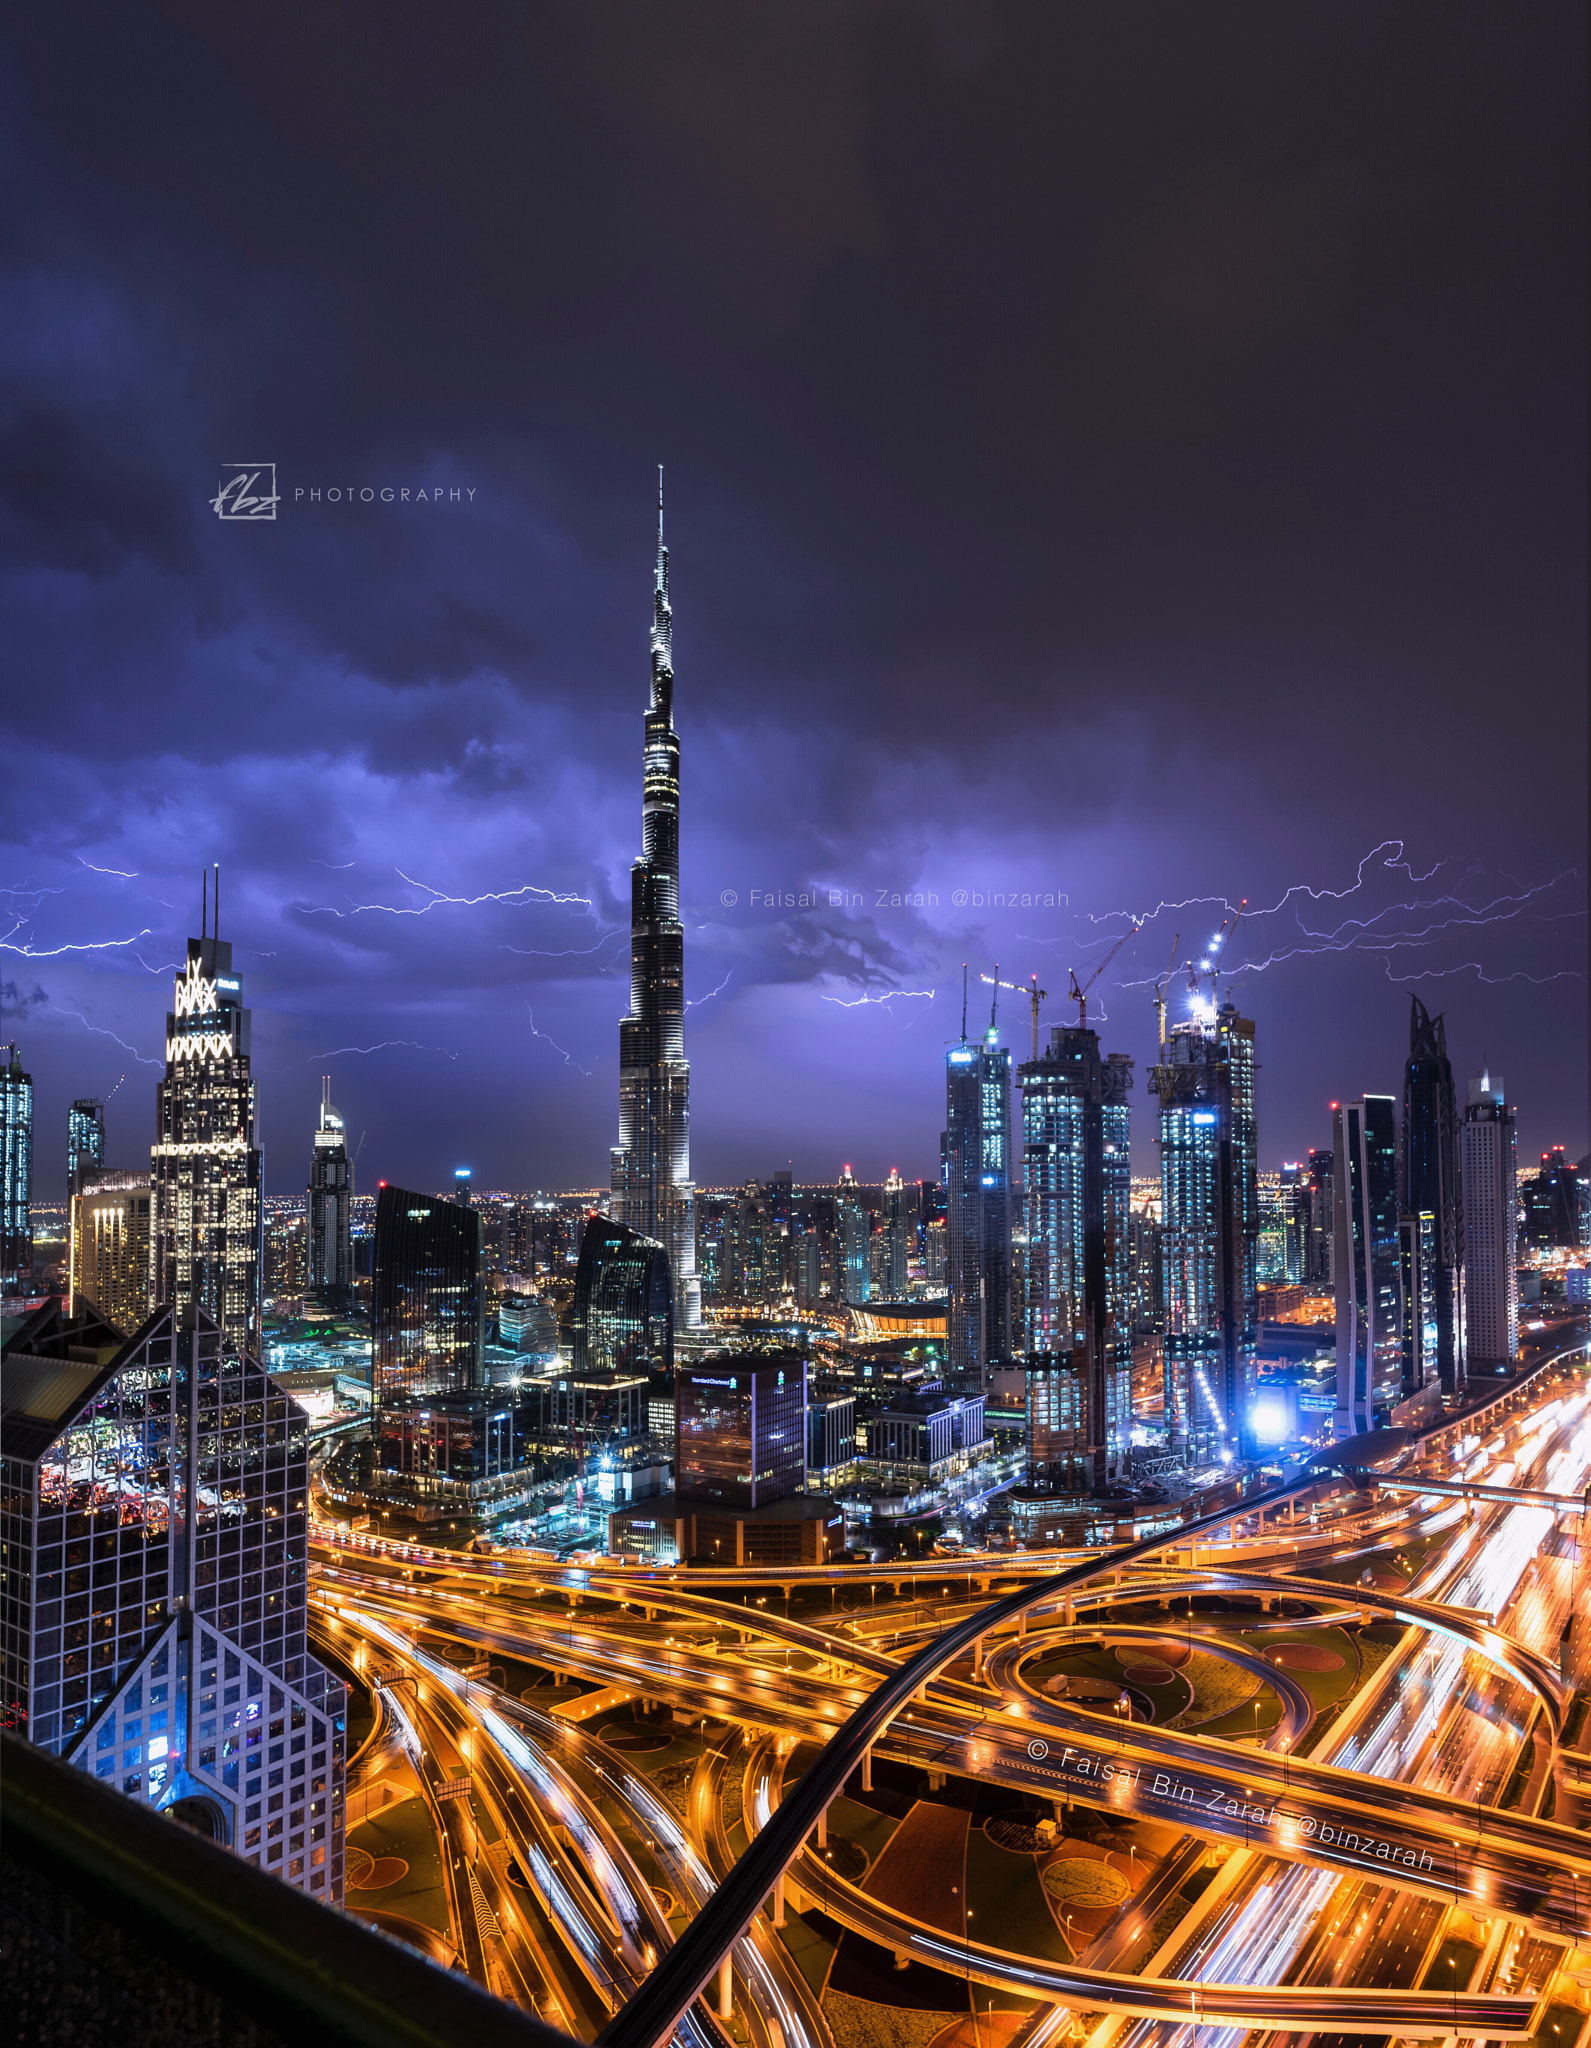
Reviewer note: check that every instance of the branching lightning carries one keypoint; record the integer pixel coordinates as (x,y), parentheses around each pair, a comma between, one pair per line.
(526,892)
(411,1043)
(72,946)
(887,996)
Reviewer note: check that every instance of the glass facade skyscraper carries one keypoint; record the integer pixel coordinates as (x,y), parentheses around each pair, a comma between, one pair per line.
(652,1193)
(853,1225)
(427,1299)
(1489,1167)
(976,1149)
(206,1223)
(622,1312)
(1429,1179)
(109,1252)
(1077,1188)
(1209,1204)
(1367,1264)
(331,1271)
(16,1168)
(85,1140)
(740,1432)
(154,1516)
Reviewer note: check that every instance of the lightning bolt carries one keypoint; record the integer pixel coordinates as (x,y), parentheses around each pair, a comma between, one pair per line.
(568,1059)
(412,1043)
(101,1031)
(710,993)
(124,874)
(888,996)
(527,891)
(564,953)
(74,946)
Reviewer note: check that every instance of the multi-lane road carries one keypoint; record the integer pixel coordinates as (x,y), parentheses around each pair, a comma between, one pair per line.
(1359,1851)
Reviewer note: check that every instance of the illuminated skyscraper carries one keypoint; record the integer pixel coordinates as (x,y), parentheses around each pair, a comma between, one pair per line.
(16,1168)
(331,1269)
(622,1313)
(1209,1205)
(740,1431)
(1428,1180)
(427,1300)
(110,1247)
(154,1520)
(1367,1264)
(85,1141)
(1490,1169)
(651,1171)
(1077,1194)
(853,1225)
(206,1224)
(976,1148)
(897,1237)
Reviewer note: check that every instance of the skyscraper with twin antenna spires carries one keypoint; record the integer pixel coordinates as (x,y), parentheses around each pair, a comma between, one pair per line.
(651,1184)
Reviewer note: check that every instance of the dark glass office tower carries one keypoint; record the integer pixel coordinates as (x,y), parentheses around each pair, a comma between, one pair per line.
(206,1225)
(622,1313)
(740,1432)
(1321,1241)
(331,1270)
(976,1149)
(16,1169)
(85,1141)
(1489,1169)
(427,1301)
(1367,1263)
(1077,1187)
(1209,1200)
(1429,1179)
(651,1164)
(1551,1202)
(154,1522)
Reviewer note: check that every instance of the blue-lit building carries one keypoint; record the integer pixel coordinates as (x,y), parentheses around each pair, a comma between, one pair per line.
(1077,1185)
(331,1266)
(1209,1201)
(16,1169)
(853,1227)
(1367,1264)
(154,1522)
(976,1149)
(85,1141)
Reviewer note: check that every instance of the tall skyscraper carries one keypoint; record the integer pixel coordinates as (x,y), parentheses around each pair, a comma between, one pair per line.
(109,1253)
(16,1169)
(1489,1170)
(1322,1239)
(155,1524)
(206,1224)
(427,1298)
(1428,1180)
(897,1220)
(976,1148)
(1551,1201)
(1077,1192)
(331,1270)
(1366,1262)
(651,1174)
(853,1225)
(85,1140)
(622,1311)
(1209,1207)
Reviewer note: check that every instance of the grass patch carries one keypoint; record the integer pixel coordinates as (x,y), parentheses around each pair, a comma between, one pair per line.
(858,2023)
(1218,1687)
(1083,1884)
(1007,1901)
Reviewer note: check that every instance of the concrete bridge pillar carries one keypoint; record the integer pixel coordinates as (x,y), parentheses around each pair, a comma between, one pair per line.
(936,1780)
(977,1657)
(726,1990)
(1070,1612)
(779,1915)
(867,1770)
(823,1829)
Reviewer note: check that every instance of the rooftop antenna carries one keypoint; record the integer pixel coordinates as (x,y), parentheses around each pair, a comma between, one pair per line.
(218,901)
(1038,996)
(994,997)
(963,1002)
(204,904)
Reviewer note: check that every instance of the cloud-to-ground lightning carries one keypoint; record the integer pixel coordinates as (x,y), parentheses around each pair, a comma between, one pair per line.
(707,998)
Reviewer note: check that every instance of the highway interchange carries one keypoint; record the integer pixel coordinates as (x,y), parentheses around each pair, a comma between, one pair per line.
(1382,1869)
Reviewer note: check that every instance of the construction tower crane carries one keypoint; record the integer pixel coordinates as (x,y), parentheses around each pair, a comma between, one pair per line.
(1210,964)
(1029,988)
(1079,993)
(1160,991)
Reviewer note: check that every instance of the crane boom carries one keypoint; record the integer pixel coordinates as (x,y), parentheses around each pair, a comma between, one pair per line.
(1078,993)
(1029,988)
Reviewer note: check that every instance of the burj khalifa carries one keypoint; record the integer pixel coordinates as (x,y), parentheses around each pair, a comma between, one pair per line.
(651,1185)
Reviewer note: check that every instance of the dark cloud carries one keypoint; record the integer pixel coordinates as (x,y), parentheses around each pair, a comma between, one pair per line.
(1115,456)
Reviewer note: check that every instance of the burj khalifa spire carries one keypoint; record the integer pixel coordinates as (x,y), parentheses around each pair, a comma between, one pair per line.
(651,1185)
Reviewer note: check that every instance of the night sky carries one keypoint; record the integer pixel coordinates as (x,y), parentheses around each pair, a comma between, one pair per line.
(1126,456)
